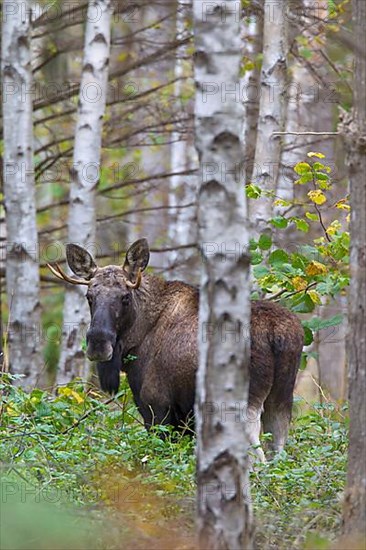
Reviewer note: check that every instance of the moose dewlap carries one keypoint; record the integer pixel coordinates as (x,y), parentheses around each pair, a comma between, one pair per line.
(148,327)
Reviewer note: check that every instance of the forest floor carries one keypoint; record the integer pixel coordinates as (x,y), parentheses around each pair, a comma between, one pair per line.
(78,472)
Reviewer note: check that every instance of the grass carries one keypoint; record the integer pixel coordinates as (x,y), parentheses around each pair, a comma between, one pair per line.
(92,465)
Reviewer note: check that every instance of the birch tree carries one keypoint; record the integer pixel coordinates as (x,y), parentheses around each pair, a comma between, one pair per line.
(253,43)
(22,274)
(84,178)
(224,511)
(354,513)
(271,109)
(307,109)
(183,189)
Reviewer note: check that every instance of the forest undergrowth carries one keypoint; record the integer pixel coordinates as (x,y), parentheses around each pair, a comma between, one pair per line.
(89,474)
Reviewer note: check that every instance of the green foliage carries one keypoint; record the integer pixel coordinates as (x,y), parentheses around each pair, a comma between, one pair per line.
(90,459)
(304,276)
(299,493)
(60,438)
(51,328)
(129,359)
(33,522)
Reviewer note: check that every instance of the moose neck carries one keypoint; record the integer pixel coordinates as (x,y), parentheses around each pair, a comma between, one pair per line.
(149,303)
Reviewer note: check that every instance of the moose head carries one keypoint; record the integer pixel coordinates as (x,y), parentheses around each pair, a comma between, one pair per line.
(111,299)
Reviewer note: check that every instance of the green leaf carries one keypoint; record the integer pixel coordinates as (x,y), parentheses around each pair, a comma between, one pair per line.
(129,359)
(253,191)
(260,271)
(312,217)
(317,323)
(303,304)
(321,176)
(265,242)
(278,257)
(279,221)
(253,244)
(304,361)
(319,166)
(298,261)
(305,53)
(305,179)
(302,168)
(309,338)
(256,258)
(301,225)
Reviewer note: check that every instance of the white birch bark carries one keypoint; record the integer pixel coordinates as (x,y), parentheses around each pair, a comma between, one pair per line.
(22,273)
(183,189)
(306,107)
(271,109)
(253,43)
(224,511)
(84,179)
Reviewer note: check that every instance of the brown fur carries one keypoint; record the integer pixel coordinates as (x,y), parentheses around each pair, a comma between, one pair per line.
(158,324)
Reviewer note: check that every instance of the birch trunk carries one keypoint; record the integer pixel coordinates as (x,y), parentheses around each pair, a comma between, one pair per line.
(183,189)
(84,177)
(22,274)
(224,510)
(307,108)
(354,513)
(251,86)
(271,110)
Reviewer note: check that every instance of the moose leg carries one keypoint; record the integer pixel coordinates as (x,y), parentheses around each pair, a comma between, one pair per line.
(253,427)
(153,408)
(154,415)
(276,420)
(278,405)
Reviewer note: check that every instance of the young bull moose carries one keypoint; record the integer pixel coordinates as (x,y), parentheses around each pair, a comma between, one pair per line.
(156,321)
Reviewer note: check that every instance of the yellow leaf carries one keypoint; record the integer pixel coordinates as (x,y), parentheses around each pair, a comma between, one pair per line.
(299,283)
(249,66)
(317,196)
(317,155)
(68,392)
(64,391)
(281,202)
(316,268)
(77,397)
(342,205)
(334,227)
(10,411)
(315,297)
(123,56)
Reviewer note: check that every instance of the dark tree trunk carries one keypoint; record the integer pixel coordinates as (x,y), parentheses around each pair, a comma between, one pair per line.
(354,512)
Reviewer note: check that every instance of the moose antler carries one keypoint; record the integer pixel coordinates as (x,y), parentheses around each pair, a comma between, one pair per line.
(57,271)
(137,283)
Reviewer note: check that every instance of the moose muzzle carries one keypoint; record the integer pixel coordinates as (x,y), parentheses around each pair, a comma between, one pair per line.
(100,344)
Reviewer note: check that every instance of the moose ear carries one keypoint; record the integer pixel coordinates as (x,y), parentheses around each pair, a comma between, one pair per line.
(80,261)
(137,258)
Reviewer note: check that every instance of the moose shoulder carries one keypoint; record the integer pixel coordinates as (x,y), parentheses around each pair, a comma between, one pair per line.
(148,327)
